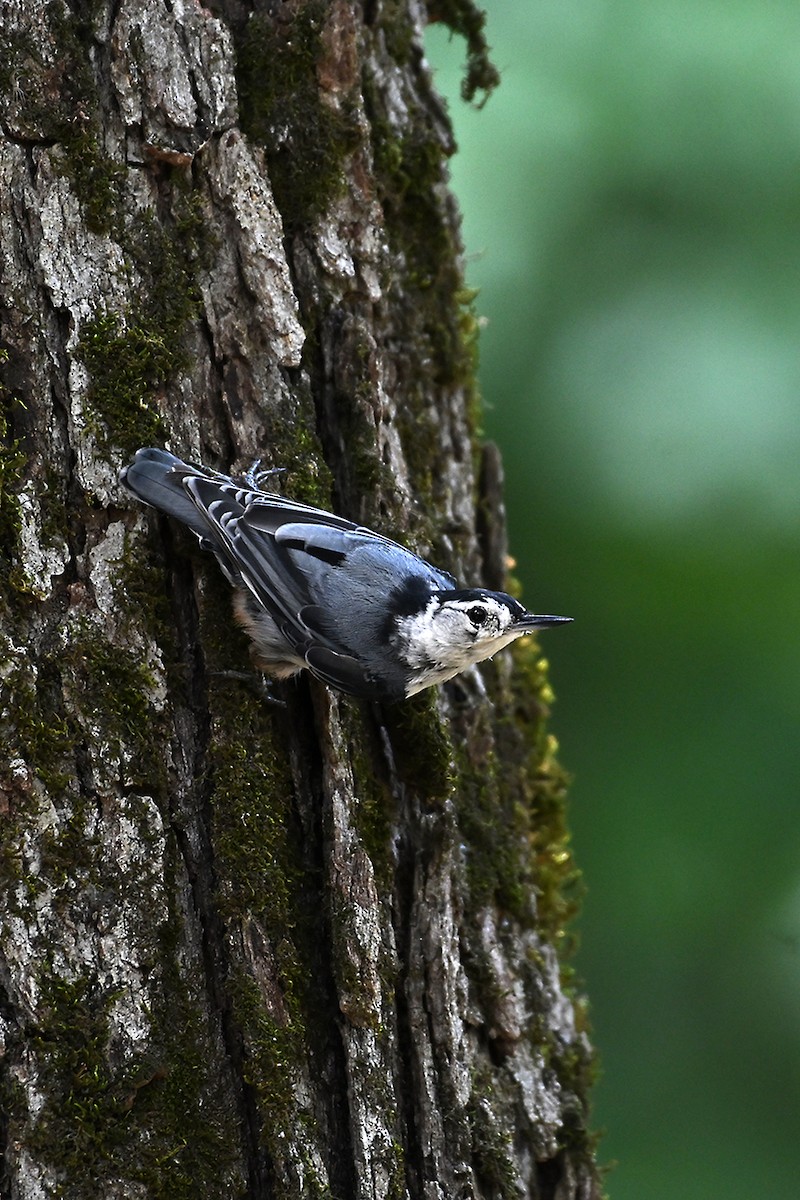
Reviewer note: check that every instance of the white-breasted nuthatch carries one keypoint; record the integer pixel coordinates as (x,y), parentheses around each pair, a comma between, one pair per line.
(316,591)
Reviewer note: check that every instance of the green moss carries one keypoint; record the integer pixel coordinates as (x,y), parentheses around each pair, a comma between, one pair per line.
(16,589)
(158,1119)
(492,1146)
(465,18)
(141,593)
(58,101)
(33,726)
(12,463)
(469,335)
(374,810)
(69,852)
(494,824)
(36,756)
(54,514)
(433,314)
(293,444)
(409,170)
(424,753)
(531,772)
(190,1137)
(74,122)
(253,819)
(97,179)
(364,476)
(396,1189)
(266,893)
(113,685)
(131,355)
(81,1121)
(398,30)
(307,141)
(126,362)
(575,1066)
(510,803)
(274,1048)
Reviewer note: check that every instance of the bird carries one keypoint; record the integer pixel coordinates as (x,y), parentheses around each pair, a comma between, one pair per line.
(317,592)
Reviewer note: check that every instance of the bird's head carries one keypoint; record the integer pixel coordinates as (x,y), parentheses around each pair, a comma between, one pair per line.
(458,628)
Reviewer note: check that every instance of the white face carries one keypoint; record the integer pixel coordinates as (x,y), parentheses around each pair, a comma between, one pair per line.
(449,637)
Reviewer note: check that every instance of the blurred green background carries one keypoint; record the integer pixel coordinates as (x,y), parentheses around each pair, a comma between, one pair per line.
(631,201)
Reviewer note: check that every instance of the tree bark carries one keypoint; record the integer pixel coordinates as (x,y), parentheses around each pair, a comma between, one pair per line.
(249,949)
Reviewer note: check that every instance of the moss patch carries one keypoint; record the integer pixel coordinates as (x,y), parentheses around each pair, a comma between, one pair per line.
(466,19)
(81,1123)
(530,770)
(434,324)
(160,1119)
(511,807)
(12,463)
(492,1146)
(36,754)
(58,100)
(307,141)
(131,355)
(293,444)
(123,723)
(424,752)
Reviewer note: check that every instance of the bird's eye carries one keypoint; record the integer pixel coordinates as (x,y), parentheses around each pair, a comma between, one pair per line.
(477,614)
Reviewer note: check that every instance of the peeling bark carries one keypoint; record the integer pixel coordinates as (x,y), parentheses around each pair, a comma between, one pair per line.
(251,950)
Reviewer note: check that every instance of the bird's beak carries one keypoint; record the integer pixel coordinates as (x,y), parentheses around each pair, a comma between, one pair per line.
(532,621)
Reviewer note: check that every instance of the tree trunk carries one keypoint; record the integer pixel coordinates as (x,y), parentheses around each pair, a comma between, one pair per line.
(253,950)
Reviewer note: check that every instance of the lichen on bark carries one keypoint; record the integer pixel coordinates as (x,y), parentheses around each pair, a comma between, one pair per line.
(248,949)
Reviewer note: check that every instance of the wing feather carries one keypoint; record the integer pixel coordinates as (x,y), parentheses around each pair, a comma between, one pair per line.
(346,673)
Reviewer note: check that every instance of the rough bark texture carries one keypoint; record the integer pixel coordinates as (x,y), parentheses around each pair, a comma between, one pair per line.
(250,950)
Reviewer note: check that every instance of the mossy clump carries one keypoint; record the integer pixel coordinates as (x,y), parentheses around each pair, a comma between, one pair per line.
(133,354)
(511,809)
(141,594)
(33,725)
(435,326)
(126,362)
(530,770)
(307,141)
(12,463)
(492,1144)
(465,18)
(157,1118)
(82,1125)
(37,759)
(57,100)
(294,445)
(113,687)
(254,826)
(263,900)
(425,756)
(494,826)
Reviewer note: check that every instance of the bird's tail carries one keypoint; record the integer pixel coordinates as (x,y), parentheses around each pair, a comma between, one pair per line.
(156,476)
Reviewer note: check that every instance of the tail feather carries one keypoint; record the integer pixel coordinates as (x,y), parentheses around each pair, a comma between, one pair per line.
(156,477)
